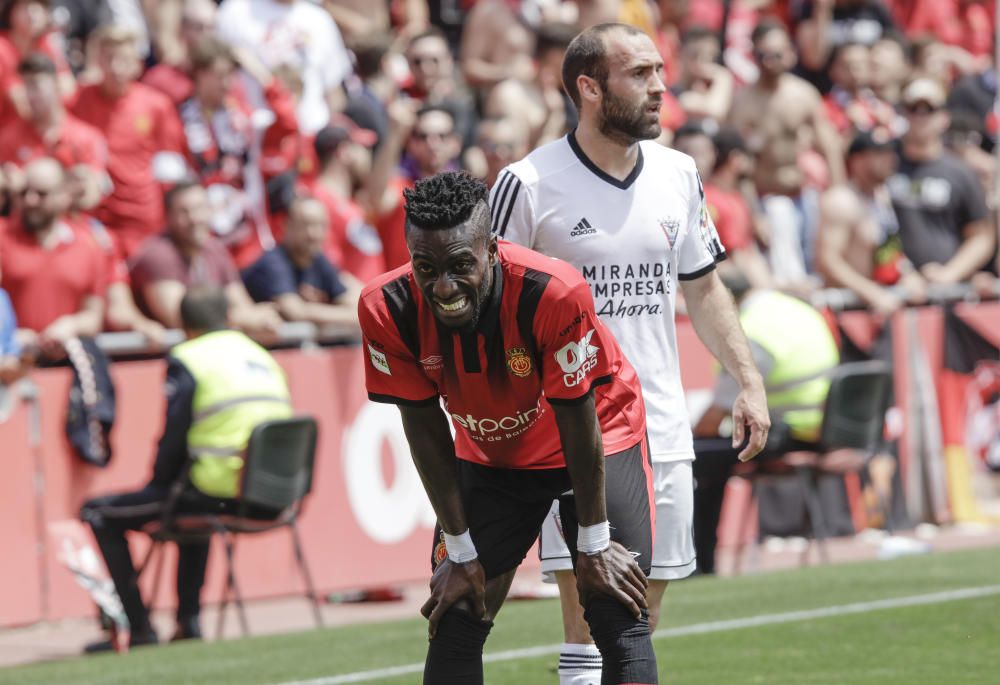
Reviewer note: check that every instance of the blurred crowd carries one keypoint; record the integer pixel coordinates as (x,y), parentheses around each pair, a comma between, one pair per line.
(263,145)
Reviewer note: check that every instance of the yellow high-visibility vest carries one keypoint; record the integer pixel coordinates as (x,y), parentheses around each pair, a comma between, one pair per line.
(238,385)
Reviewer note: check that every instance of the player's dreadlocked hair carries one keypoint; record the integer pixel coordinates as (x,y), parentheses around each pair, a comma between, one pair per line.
(446,200)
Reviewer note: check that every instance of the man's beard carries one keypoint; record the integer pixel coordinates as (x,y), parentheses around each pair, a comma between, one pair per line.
(624,122)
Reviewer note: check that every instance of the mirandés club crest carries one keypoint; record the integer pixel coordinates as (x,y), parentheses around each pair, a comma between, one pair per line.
(519,362)
(670,228)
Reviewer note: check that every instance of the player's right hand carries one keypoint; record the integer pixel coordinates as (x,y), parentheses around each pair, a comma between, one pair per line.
(615,573)
(452,583)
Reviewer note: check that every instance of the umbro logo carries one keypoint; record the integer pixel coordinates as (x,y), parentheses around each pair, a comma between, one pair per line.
(582,227)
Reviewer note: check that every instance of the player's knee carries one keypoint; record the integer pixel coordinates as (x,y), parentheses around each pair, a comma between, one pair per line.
(623,639)
(455,655)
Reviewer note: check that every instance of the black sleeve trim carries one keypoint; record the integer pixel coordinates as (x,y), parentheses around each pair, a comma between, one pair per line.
(704,270)
(390,399)
(603,380)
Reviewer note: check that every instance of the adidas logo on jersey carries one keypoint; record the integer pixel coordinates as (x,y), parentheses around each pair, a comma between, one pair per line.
(582,227)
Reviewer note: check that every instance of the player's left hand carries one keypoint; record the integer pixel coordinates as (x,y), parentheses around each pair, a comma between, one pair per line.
(750,412)
(615,573)
(451,583)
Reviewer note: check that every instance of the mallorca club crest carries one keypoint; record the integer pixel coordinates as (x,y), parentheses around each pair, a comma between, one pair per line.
(670,227)
(519,362)
(440,551)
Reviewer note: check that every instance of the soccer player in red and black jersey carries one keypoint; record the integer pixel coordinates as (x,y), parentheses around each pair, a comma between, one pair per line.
(538,392)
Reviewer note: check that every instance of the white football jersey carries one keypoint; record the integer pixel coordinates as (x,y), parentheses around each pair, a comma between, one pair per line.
(632,240)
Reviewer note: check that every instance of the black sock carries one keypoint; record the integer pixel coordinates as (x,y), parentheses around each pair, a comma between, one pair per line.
(624,642)
(455,655)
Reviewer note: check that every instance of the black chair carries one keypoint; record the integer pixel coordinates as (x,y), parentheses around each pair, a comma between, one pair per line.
(853,418)
(277,475)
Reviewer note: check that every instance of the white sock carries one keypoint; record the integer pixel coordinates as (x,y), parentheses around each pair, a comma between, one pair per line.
(579,665)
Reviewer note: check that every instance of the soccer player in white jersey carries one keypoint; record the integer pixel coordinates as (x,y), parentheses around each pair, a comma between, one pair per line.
(630,214)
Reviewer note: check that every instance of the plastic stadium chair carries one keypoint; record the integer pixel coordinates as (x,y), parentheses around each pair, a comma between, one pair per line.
(853,418)
(277,475)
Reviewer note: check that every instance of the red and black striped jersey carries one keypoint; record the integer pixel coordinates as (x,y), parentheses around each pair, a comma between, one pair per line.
(538,342)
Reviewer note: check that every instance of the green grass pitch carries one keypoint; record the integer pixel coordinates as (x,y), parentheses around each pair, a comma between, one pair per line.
(951,642)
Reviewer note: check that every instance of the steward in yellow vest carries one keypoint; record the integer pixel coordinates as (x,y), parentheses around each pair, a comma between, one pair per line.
(220,386)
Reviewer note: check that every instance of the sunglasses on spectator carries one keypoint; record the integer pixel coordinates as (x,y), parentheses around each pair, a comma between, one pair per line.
(762,56)
(921,108)
(24,192)
(419,60)
(427,135)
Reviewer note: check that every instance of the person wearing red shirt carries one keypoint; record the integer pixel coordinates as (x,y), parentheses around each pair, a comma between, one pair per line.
(851,105)
(172,77)
(52,269)
(26,27)
(429,143)
(538,392)
(344,158)
(146,141)
(48,130)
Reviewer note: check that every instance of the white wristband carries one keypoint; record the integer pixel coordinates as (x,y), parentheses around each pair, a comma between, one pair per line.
(460,547)
(594,539)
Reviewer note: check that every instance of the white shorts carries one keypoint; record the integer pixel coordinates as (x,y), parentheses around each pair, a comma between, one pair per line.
(673,544)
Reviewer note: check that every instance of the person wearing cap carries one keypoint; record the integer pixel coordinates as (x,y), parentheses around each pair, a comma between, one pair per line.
(859,243)
(298,278)
(944,223)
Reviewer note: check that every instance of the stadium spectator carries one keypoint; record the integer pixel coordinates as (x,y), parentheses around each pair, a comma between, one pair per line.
(357,18)
(851,105)
(462,293)
(824,25)
(791,346)
(26,27)
(343,153)
(538,104)
(944,223)
(146,143)
(434,80)
(432,145)
(859,245)
(704,87)
(75,20)
(498,43)
(967,139)
(977,93)
(48,130)
(729,209)
(772,116)
(166,266)
(890,67)
(221,144)
(51,268)
(298,278)
(967,24)
(172,74)
(499,142)
(296,35)
(220,385)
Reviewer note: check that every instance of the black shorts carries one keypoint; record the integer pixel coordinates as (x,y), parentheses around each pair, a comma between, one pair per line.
(505,509)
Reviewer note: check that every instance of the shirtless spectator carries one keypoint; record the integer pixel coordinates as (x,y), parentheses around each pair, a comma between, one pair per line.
(429,145)
(723,171)
(851,105)
(859,246)
(172,77)
(890,67)
(293,34)
(781,118)
(357,18)
(344,156)
(52,269)
(48,130)
(705,87)
(499,142)
(187,254)
(146,141)
(944,223)
(824,25)
(434,80)
(298,278)
(222,144)
(497,44)
(539,104)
